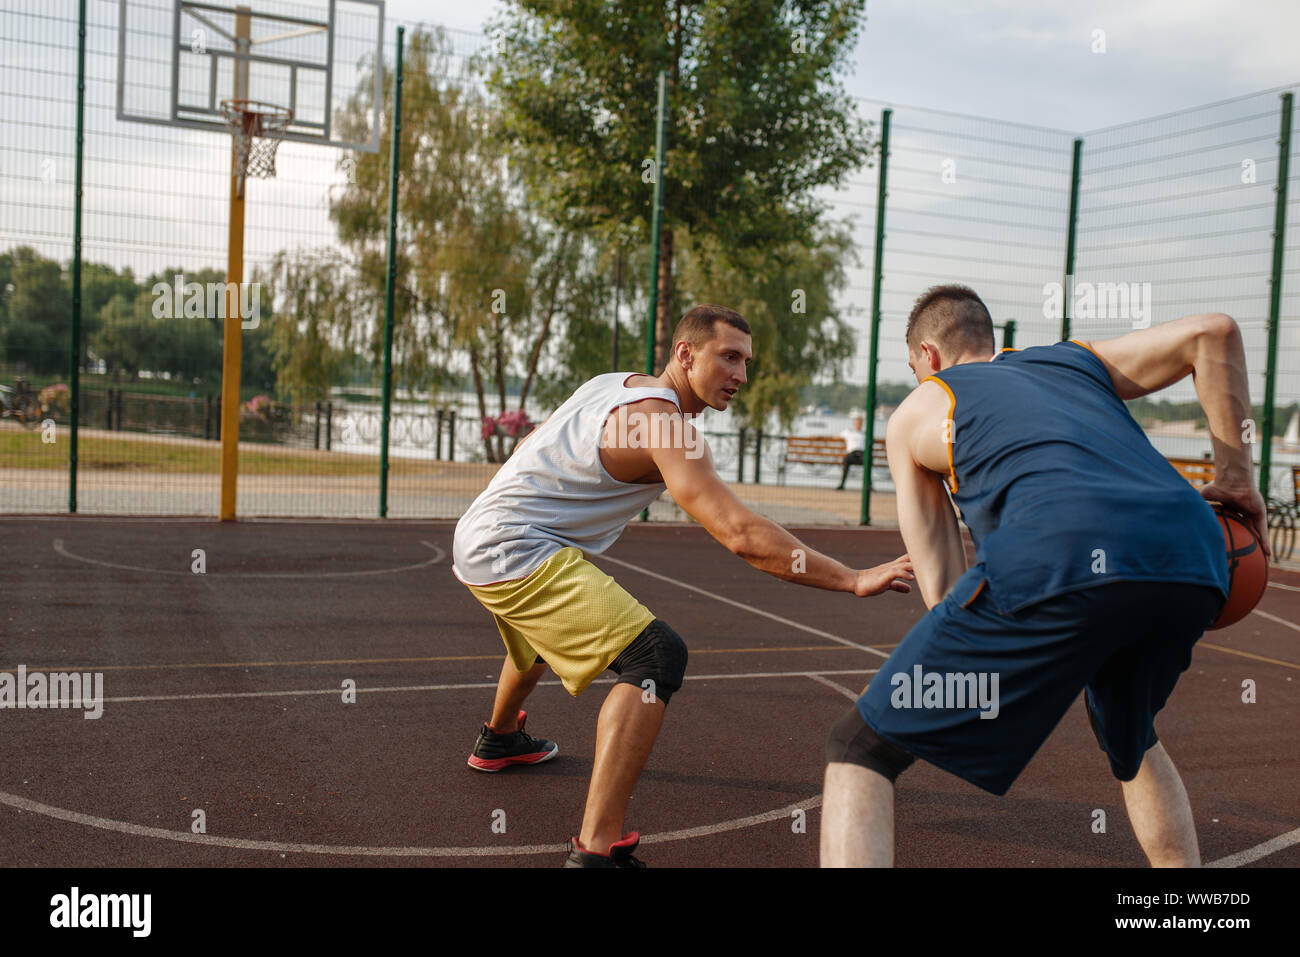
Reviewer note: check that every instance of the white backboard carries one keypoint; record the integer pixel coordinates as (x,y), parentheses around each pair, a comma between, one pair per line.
(178,59)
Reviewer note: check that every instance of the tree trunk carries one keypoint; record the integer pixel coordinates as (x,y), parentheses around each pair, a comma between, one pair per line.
(478,392)
(546,322)
(663,309)
(498,361)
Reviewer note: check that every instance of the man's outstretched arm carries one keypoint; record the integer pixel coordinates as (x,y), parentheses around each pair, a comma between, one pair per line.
(687,470)
(1209,348)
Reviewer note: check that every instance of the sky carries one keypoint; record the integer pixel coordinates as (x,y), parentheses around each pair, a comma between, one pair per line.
(1164,201)
(1078,68)
(1032,61)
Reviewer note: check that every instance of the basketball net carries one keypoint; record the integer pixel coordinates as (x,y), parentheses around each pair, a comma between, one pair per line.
(258,129)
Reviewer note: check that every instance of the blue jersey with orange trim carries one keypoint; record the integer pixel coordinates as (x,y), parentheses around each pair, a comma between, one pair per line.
(1060,487)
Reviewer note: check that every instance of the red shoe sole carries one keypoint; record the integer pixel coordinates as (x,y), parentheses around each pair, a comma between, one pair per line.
(496,764)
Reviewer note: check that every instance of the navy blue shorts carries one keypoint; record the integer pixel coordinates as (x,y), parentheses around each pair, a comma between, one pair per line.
(976,693)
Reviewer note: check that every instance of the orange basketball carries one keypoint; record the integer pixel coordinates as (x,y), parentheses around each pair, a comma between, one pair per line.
(1247,566)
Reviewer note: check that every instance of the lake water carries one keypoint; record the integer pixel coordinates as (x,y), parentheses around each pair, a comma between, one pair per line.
(721,429)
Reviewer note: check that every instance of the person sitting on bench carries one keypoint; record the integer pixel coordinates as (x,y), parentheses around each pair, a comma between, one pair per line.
(855,442)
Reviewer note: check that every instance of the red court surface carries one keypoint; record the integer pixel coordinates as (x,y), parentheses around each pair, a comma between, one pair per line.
(223,692)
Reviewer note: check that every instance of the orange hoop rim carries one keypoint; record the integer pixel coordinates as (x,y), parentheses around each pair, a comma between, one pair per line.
(256,114)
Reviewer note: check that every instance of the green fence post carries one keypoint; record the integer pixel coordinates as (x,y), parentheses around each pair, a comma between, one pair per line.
(390,280)
(1009,334)
(618,295)
(1275,293)
(656,224)
(74,359)
(1070,237)
(878,277)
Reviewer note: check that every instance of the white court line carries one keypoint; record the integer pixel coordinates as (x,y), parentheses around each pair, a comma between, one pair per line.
(1247,856)
(1252,854)
(1261,851)
(439,555)
(750,608)
(453,687)
(1233,860)
(1280,621)
(211,840)
(283,847)
(1280,585)
(851,695)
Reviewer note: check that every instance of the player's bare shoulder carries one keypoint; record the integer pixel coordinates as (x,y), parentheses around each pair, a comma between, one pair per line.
(635,432)
(922,427)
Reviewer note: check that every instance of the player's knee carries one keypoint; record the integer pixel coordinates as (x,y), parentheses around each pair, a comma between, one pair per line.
(1152,738)
(655,661)
(853,741)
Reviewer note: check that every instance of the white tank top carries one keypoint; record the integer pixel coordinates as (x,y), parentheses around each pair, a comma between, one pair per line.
(554,492)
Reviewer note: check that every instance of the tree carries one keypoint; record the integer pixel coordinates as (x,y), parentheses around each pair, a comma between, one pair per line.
(479,275)
(788,297)
(582,344)
(99,284)
(319,323)
(6,287)
(38,312)
(133,337)
(125,336)
(758,118)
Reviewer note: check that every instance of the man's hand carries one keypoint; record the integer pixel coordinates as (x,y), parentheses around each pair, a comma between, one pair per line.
(1245,499)
(891,576)
(687,469)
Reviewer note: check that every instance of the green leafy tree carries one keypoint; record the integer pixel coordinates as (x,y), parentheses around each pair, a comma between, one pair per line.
(318,324)
(758,119)
(38,312)
(6,287)
(482,281)
(788,297)
(583,343)
(135,334)
(99,284)
(125,336)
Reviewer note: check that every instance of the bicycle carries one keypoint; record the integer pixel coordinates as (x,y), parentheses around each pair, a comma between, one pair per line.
(21,403)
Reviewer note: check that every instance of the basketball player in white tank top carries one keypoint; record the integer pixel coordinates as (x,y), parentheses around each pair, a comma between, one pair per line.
(574,484)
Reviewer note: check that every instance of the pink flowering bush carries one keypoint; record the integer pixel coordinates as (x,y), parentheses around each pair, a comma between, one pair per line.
(54,399)
(258,405)
(513,425)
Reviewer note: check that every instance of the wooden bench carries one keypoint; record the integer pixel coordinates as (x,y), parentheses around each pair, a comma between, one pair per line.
(823,450)
(1197,471)
(1283,517)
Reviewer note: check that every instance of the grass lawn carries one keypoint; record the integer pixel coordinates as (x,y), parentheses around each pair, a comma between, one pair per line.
(126,453)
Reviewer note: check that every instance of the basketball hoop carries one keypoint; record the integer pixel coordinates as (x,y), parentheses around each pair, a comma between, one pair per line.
(258,129)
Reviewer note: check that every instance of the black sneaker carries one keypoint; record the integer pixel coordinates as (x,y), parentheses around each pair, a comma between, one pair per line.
(493,751)
(620,854)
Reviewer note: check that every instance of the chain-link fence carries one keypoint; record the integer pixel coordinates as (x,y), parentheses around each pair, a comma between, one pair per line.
(1175,215)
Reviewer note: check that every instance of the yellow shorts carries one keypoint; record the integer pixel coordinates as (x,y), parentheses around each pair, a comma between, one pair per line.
(567,612)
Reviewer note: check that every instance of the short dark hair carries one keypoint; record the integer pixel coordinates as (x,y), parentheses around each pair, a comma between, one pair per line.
(954,318)
(696,327)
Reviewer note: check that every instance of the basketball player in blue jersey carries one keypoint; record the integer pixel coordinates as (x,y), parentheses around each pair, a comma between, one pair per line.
(1097,566)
